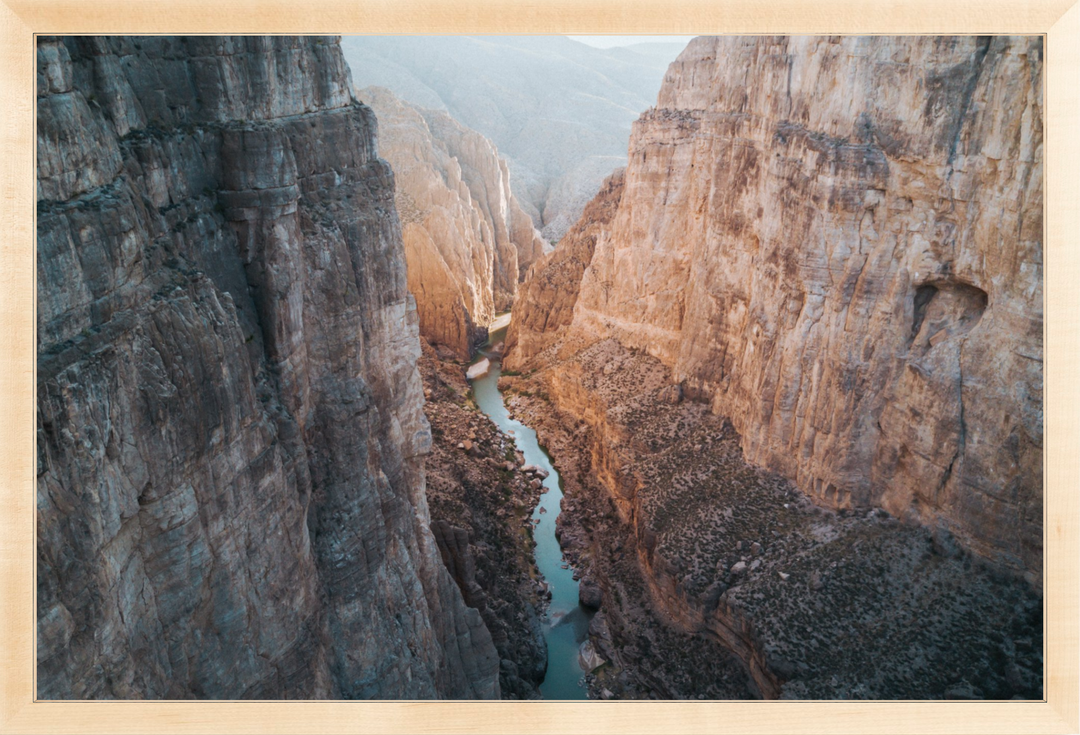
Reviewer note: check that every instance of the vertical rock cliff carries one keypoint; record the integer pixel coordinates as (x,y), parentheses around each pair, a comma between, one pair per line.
(467,241)
(838,243)
(230,430)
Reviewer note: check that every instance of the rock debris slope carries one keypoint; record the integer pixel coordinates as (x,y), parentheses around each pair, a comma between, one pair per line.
(837,242)
(481,501)
(230,419)
(690,544)
(467,241)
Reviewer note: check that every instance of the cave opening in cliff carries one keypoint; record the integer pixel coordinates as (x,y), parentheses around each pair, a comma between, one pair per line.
(539,367)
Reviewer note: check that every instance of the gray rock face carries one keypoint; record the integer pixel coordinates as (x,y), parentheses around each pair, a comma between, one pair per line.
(230,430)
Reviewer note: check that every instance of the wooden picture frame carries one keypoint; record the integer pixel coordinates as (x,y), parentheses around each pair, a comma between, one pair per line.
(20,20)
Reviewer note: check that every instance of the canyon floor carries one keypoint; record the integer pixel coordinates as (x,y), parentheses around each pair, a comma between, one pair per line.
(721,580)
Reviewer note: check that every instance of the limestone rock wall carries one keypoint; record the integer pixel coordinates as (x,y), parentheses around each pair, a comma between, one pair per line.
(838,242)
(467,241)
(546,302)
(230,420)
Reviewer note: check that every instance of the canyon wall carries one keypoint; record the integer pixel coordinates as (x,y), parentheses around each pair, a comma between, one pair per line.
(546,303)
(231,437)
(467,240)
(838,243)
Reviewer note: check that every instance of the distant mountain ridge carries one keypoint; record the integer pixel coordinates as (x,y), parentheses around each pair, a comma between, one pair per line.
(559,110)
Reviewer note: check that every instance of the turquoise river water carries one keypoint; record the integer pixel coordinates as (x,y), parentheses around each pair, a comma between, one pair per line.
(566,624)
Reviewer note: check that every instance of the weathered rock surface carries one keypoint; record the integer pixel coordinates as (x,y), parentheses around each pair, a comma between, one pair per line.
(660,504)
(838,242)
(467,241)
(559,110)
(231,436)
(478,511)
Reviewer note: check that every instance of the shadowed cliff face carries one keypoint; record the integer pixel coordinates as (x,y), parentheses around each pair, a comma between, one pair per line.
(467,241)
(230,431)
(838,243)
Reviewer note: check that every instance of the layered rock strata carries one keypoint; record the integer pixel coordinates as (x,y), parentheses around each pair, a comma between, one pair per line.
(231,494)
(467,240)
(837,242)
(698,553)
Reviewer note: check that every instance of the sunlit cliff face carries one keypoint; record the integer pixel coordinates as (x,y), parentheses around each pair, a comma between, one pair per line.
(843,255)
(796,349)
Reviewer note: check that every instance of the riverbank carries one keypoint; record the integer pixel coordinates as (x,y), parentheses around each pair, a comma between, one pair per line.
(706,562)
(480,505)
(566,624)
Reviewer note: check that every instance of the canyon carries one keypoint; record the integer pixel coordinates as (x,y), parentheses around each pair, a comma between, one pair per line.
(770,410)
(828,280)
(559,110)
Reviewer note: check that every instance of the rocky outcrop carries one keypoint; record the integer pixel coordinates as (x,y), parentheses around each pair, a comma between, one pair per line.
(838,243)
(231,491)
(546,304)
(467,241)
(559,110)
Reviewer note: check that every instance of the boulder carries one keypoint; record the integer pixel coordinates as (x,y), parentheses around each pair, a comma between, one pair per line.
(479,369)
(589,594)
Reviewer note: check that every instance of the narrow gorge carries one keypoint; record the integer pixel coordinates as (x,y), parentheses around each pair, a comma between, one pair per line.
(323,414)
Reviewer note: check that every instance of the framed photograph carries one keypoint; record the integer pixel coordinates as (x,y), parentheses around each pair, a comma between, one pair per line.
(494,366)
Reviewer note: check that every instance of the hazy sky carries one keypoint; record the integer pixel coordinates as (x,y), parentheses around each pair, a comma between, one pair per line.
(609,41)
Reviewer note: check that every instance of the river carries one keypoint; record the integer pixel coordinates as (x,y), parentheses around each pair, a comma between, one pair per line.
(566,624)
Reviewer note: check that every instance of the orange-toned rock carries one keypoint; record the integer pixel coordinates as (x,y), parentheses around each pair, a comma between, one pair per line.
(547,298)
(467,241)
(838,243)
